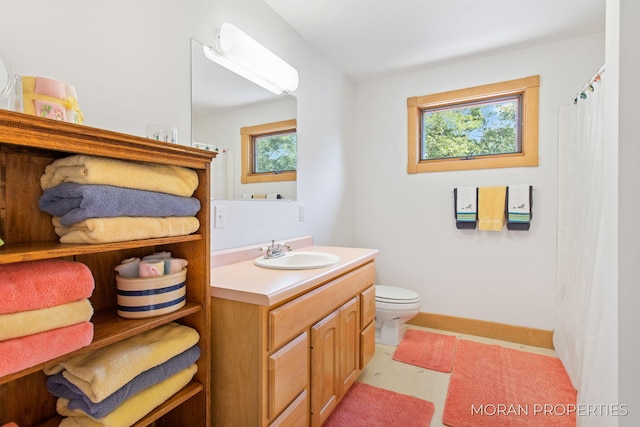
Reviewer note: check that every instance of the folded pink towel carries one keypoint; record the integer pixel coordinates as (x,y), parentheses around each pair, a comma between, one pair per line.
(25,352)
(31,285)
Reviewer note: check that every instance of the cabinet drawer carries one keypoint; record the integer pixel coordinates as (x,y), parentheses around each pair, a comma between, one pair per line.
(287,321)
(288,374)
(367,344)
(367,306)
(296,415)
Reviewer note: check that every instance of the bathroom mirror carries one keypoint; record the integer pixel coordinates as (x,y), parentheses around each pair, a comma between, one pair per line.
(222,103)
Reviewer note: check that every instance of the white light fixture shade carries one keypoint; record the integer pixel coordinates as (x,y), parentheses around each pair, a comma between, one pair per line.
(245,56)
(232,66)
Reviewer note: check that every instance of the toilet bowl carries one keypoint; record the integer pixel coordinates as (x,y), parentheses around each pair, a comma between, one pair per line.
(394,307)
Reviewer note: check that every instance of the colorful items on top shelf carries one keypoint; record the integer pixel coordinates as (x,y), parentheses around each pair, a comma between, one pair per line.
(50,98)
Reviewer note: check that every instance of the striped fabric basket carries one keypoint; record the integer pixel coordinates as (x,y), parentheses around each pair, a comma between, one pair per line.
(151,296)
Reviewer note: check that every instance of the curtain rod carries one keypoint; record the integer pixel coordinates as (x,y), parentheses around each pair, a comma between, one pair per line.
(589,85)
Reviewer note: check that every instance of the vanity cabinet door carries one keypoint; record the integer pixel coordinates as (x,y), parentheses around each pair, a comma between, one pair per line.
(288,374)
(349,344)
(325,363)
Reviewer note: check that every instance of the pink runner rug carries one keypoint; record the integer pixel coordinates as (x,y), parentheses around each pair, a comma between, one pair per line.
(368,406)
(426,349)
(496,386)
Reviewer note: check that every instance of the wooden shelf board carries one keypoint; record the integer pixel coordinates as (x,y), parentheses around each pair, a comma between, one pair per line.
(182,396)
(18,252)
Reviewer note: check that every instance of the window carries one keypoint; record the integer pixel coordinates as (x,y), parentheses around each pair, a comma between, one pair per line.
(490,126)
(269,152)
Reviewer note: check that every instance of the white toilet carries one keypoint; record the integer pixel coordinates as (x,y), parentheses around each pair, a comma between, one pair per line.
(394,307)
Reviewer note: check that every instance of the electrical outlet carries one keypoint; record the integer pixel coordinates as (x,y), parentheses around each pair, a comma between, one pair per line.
(220,216)
(301,213)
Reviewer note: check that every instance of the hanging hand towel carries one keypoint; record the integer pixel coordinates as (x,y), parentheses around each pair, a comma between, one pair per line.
(491,202)
(465,201)
(519,204)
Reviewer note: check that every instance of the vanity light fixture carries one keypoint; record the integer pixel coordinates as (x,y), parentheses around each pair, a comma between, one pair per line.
(241,54)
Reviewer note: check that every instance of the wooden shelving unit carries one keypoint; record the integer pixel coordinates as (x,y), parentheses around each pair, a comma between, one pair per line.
(27,145)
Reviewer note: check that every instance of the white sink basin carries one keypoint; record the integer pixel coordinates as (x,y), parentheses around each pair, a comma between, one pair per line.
(298,261)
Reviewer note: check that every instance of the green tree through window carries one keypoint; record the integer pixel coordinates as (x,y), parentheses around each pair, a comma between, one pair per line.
(275,153)
(269,152)
(471,130)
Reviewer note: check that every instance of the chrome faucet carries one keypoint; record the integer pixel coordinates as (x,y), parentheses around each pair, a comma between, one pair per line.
(275,250)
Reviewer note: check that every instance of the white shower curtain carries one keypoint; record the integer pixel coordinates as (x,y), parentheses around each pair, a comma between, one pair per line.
(222,175)
(581,283)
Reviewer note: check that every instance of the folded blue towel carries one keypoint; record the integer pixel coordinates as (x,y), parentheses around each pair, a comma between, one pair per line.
(76,202)
(59,386)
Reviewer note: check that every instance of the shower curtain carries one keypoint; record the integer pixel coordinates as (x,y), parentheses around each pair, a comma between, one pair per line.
(581,283)
(222,175)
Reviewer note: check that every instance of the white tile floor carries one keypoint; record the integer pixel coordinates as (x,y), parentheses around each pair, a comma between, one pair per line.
(384,372)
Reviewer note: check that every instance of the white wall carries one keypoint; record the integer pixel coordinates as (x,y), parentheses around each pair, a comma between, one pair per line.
(629,204)
(130,64)
(508,276)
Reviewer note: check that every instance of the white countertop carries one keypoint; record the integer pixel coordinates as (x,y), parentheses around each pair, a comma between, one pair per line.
(246,282)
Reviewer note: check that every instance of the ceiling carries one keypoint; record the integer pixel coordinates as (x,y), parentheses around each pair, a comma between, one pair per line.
(370,39)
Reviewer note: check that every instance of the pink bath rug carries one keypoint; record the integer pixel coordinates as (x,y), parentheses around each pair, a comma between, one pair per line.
(496,386)
(368,406)
(427,350)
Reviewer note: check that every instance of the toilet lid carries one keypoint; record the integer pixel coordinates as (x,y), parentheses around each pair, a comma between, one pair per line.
(395,295)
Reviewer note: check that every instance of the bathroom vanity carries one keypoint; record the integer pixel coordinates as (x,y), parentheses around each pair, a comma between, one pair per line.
(288,344)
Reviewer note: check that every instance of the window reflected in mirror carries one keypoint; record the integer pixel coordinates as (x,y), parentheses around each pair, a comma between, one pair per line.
(223,104)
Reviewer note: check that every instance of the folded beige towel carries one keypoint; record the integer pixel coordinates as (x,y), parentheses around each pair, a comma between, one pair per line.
(491,202)
(132,409)
(122,229)
(84,169)
(31,322)
(101,372)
